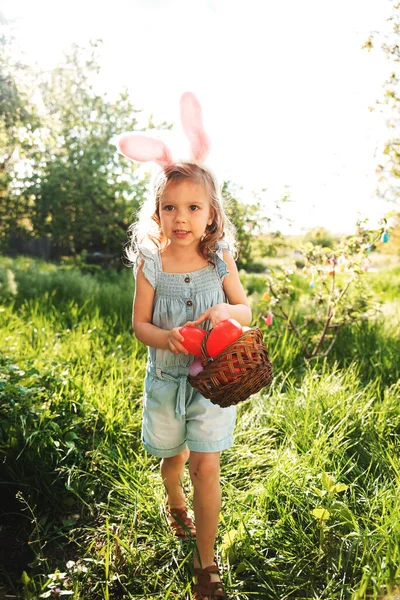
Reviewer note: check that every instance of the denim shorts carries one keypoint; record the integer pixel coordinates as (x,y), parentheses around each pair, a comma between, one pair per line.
(176,416)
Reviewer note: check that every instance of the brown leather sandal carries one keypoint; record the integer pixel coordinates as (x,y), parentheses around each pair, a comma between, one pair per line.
(182,525)
(205,588)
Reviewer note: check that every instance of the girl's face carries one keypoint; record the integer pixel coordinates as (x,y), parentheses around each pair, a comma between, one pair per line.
(185,212)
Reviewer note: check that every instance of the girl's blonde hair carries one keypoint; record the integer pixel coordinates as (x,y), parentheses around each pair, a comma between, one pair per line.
(146,230)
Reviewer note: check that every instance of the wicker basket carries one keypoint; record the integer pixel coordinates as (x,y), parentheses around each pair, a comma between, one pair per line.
(241,369)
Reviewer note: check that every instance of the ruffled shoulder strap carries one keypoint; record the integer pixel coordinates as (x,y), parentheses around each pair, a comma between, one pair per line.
(150,264)
(220,263)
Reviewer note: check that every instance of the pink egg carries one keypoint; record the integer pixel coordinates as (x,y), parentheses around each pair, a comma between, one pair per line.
(269,319)
(196,367)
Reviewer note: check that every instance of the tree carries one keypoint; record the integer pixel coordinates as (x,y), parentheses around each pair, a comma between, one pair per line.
(337,296)
(321,237)
(76,188)
(251,222)
(16,114)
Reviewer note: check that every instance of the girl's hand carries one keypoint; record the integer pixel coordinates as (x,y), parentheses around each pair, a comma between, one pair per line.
(174,341)
(215,314)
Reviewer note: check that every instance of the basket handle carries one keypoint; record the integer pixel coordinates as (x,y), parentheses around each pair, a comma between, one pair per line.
(205,359)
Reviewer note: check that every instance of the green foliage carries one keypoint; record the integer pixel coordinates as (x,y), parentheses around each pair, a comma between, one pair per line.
(252,222)
(386,286)
(61,175)
(247,219)
(105,293)
(268,245)
(82,194)
(337,296)
(252,282)
(321,237)
(13,99)
(16,112)
(36,439)
(392,247)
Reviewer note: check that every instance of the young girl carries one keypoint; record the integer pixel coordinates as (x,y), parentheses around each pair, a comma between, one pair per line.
(185,274)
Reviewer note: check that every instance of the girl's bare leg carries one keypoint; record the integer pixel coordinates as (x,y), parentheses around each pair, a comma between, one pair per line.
(204,468)
(172,473)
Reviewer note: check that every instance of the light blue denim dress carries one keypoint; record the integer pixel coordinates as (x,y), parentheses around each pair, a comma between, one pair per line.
(175,415)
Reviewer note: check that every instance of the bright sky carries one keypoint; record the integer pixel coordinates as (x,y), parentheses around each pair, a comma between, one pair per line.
(285,86)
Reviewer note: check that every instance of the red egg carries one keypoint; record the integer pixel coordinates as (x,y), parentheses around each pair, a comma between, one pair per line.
(223,334)
(193,337)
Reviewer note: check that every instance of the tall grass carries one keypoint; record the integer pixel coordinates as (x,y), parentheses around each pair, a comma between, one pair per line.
(310,489)
(64,288)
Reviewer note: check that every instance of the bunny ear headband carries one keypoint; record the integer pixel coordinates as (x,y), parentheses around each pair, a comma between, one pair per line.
(143,148)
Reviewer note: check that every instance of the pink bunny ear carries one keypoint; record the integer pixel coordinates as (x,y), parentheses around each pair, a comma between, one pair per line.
(142,148)
(193,126)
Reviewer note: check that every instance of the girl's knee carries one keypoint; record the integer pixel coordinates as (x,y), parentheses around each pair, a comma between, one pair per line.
(178,460)
(204,466)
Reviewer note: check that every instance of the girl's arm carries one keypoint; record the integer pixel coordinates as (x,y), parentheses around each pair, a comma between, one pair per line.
(238,307)
(145,331)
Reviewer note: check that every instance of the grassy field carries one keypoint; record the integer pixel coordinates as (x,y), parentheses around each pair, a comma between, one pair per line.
(311,502)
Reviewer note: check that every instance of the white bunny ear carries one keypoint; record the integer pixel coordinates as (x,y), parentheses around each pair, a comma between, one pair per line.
(143,148)
(193,126)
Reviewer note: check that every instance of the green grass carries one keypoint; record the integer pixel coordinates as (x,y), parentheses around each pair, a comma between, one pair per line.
(386,283)
(106,293)
(87,518)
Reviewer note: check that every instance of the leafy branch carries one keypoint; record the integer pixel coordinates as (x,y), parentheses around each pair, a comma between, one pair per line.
(337,296)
